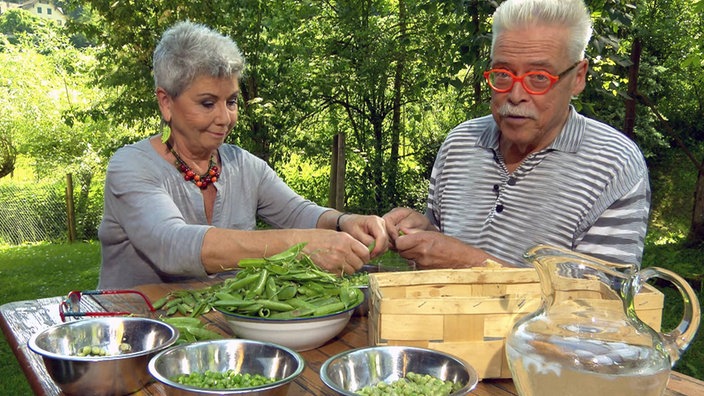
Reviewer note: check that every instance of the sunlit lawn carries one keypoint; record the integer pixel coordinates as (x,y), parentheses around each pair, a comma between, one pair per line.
(36,271)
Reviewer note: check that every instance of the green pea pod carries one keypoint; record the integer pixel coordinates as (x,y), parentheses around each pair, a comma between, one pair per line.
(319,302)
(300,303)
(231,303)
(190,299)
(221,295)
(287,292)
(329,308)
(203,334)
(277,269)
(296,313)
(345,296)
(172,303)
(160,302)
(275,305)
(351,296)
(315,287)
(252,263)
(264,312)
(233,285)
(299,276)
(182,321)
(271,290)
(258,288)
(249,309)
(287,255)
(200,308)
(183,309)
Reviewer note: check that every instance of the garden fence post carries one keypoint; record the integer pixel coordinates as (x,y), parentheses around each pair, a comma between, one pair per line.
(70,215)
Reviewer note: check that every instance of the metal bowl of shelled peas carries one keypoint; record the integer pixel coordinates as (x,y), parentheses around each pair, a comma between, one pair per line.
(227,367)
(424,371)
(102,356)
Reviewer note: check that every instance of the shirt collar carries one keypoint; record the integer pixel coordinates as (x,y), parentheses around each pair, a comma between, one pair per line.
(569,139)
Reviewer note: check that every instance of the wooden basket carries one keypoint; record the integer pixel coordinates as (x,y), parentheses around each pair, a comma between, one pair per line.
(465,312)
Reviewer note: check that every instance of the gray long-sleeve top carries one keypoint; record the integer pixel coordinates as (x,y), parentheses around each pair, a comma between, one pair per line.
(154,221)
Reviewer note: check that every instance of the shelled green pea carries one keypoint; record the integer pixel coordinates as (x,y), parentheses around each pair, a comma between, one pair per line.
(222,380)
(412,384)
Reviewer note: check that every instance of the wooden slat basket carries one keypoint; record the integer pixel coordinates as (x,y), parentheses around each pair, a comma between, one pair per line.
(465,312)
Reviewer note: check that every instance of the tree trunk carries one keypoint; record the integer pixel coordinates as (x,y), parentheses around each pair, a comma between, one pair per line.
(696,230)
(630,118)
(393,167)
(476,23)
(337,173)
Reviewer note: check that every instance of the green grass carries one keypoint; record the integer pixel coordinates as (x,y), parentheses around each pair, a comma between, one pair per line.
(685,261)
(36,271)
(47,270)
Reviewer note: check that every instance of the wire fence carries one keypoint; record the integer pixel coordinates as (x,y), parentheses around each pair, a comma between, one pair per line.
(37,212)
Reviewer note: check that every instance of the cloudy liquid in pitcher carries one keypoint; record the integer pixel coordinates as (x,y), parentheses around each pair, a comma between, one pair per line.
(618,372)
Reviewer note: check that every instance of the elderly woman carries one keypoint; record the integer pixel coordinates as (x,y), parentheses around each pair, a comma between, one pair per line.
(182,205)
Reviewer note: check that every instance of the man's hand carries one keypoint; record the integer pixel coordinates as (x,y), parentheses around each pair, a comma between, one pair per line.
(433,249)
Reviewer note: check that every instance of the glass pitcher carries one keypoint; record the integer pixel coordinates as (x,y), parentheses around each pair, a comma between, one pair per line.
(586,339)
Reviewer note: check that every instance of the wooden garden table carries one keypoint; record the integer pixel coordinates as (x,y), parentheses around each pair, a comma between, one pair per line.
(20,320)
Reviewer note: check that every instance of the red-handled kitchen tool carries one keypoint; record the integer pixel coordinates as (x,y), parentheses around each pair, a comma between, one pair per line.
(71,306)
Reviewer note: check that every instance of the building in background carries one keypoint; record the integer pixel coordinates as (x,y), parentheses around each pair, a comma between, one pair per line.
(43,9)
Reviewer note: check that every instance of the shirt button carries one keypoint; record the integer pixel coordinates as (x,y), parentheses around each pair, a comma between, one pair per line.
(512,181)
(499,208)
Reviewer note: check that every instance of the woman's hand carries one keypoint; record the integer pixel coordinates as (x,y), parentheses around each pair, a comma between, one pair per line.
(369,230)
(400,221)
(335,252)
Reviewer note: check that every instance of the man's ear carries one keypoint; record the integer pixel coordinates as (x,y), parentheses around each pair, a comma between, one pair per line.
(580,77)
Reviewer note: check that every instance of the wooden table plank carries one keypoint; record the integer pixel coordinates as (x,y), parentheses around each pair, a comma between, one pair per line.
(19,320)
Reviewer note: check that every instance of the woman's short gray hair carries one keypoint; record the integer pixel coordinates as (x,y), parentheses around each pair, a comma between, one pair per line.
(188,50)
(573,14)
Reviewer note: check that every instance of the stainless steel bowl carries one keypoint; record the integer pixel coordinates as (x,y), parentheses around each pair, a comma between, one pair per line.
(350,371)
(242,356)
(120,372)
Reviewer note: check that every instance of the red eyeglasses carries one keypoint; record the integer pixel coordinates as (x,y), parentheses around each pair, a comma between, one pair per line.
(535,82)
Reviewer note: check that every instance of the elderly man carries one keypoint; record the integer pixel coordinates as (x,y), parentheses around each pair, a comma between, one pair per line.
(534,171)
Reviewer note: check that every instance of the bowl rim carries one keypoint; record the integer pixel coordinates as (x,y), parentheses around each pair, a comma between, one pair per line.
(470,385)
(34,346)
(246,318)
(151,366)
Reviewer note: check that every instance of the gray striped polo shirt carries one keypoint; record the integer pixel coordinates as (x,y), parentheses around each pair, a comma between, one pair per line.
(588,191)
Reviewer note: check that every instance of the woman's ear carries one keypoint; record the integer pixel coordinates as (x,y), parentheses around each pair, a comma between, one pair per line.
(164,100)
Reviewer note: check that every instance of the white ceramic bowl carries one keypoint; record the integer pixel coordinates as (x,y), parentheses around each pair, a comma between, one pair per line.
(301,334)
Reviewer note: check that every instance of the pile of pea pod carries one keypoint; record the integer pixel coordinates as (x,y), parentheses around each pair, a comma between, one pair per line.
(283,286)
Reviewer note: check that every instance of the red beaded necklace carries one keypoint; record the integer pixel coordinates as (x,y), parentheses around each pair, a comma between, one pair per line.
(202,181)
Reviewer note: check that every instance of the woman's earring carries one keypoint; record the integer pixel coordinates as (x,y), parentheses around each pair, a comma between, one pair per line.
(165,132)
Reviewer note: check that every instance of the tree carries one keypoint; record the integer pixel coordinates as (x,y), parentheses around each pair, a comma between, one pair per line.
(43,93)
(394,76)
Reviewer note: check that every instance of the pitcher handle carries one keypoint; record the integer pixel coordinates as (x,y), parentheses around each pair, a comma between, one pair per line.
(677,340)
